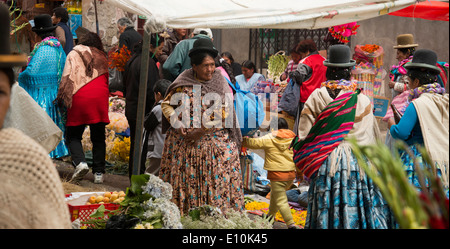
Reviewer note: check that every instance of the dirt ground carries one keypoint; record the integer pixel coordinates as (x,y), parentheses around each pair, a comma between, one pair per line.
(111,182)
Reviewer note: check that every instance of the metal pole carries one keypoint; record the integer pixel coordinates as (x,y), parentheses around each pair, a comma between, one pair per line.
(96,17)
(142,98)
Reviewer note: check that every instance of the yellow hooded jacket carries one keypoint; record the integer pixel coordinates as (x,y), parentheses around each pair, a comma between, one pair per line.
(278,156)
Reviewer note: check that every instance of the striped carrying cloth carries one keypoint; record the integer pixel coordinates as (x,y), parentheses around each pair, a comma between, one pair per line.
(328,131)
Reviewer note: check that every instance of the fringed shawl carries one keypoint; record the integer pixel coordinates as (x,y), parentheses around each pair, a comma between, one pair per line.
(365,128)
(83,65)
(432,111)
(217,85)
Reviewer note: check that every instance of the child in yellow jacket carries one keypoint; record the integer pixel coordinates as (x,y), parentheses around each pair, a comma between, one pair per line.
(281,170)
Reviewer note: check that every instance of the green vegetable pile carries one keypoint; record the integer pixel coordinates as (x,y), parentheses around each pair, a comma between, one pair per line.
(276,65)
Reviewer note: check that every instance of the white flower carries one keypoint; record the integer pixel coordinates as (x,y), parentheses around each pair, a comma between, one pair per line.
(169,211)
(158,188)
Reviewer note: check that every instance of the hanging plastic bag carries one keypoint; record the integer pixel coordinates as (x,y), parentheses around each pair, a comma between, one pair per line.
(249,110)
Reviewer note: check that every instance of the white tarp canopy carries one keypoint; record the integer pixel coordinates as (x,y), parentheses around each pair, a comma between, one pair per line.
(279,14)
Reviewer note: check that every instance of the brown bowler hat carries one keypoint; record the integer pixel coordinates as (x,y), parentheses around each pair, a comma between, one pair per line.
(405,41)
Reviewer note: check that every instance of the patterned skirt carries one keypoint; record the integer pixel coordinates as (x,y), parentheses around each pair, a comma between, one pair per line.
(345,201)
(408,164)
(205,174)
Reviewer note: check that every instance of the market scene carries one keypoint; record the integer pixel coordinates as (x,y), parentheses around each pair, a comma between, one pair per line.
(128,114)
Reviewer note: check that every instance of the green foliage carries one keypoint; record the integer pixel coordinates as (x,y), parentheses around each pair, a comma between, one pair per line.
(276,65)
(387,172)
(98,219)
(14,27)
(135,196)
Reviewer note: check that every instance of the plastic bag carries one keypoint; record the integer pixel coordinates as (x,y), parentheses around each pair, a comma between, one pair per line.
(249,110)
(290,99)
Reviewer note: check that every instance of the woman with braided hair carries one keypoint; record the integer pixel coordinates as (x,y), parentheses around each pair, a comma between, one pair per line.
(340,195)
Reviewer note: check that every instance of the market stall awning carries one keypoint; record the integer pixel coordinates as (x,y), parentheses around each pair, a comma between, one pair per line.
(280,14)
(429,10)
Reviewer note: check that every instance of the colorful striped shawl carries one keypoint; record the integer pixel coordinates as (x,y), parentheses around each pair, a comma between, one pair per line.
(328,131)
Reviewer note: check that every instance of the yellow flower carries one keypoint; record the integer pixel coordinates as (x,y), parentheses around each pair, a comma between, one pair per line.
(139,226)
(298,216)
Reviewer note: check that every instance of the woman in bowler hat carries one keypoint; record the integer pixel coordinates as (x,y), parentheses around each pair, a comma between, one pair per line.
(43,73)
(425,121)
(340,196)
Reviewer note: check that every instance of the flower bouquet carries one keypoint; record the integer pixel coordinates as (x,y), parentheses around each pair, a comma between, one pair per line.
(117,122)
(117,104)
(147,205)
(119,59)
(343,32)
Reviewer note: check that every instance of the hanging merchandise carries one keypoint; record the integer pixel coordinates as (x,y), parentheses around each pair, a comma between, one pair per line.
(343,32)
(69,6)
(75,17)
(368,71)
(79,8)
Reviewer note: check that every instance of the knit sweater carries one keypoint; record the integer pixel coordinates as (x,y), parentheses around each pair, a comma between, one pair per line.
(31,193)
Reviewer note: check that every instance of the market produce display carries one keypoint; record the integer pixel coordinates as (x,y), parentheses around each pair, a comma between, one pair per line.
(107,197)
(276,64)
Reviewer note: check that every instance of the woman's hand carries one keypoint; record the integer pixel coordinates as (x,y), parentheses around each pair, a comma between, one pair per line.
(391,84)
(193,135)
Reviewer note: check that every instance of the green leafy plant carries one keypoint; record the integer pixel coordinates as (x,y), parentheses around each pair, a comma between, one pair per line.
(427,209)
(14,27)
(276,65)
(99,218)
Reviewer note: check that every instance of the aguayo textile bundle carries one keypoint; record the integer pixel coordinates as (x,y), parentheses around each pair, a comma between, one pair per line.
(330,128)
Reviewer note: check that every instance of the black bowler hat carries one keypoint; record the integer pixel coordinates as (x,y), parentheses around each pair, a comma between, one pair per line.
(203,45)
(424,58)
(339,56)
(43,23)
(7,59)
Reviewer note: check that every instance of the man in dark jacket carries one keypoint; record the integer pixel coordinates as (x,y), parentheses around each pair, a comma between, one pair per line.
(131,80)
(179,59)
(128,35)
(60,18)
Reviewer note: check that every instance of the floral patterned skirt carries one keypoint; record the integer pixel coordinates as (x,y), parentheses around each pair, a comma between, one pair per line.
(205,174)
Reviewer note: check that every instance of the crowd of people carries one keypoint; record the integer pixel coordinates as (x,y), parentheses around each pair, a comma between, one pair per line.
(198,155)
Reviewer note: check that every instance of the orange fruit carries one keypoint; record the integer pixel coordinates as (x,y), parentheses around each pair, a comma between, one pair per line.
(107,194)
(105,199)
(92,199)
(99,199)
(114,197)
